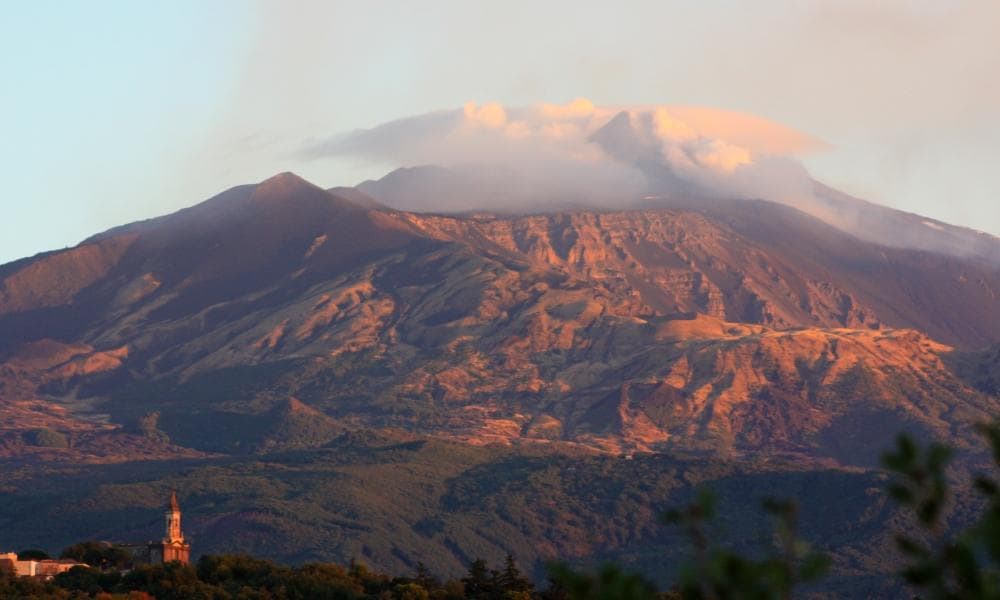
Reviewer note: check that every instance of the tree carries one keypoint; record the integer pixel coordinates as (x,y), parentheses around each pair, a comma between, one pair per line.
(326,581)
(47,438)
(943,565)
(29,588)
(373,583)
(555,590)
(425,578)
(87,579)
(609,583)
(715,572)
(33,554)
(479,582)
(149,426)
(101,555)
(172,581)
(236,571)
(409,591)
(510,580)
(723,574)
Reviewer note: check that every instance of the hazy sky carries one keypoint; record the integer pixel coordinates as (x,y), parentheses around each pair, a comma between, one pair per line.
(116,111)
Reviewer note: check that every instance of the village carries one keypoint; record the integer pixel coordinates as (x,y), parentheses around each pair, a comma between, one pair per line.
(172,548)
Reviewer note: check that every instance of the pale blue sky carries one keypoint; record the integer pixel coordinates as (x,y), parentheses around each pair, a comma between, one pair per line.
(116,111)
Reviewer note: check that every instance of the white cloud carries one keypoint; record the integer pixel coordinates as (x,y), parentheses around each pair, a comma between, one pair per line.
(592,154)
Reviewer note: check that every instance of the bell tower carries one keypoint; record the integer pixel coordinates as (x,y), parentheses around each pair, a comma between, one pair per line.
(173,516)
(172,547)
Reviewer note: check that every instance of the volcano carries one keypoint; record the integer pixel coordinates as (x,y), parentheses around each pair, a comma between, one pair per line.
(282,318)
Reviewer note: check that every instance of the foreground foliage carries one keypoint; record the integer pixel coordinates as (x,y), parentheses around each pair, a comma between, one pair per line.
(945,564)
(941,562)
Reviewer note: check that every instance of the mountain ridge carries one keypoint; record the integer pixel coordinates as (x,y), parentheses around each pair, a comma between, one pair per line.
(538,327)
(322,377)
(437,189)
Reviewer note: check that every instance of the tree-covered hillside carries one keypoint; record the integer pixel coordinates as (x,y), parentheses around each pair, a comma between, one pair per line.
(393,501)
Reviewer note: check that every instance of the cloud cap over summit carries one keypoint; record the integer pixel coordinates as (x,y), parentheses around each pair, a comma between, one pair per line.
(582,153)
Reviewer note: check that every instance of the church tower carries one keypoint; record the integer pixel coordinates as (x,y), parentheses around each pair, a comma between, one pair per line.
(173,515)
(172,547)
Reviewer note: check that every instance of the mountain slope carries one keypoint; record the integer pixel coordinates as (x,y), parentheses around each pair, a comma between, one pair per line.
(432,188)
(322,377)
(710,325)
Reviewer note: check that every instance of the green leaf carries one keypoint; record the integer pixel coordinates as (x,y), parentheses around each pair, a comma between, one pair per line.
(910,546)
(901,493)
(986,486)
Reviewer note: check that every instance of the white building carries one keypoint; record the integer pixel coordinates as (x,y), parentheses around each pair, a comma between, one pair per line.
(36,568)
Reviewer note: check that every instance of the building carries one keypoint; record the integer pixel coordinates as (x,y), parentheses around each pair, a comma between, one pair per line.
(8,562)
(36,568)
(51,568)
(172,547)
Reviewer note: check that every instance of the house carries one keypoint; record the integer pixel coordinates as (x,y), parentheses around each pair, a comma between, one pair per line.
(36,568)
(8,560)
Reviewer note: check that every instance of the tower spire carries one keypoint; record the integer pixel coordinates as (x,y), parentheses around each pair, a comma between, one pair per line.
(172,547)
(173,517)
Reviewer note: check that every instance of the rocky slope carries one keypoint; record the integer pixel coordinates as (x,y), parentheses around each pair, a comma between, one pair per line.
(705,326)
(325,378)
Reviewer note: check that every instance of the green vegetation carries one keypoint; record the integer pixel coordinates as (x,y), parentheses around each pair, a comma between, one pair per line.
(47,438)
(148,425)
(393,500)
(248,578)
(719,572)
(406,504)
(944,563)
(101,555)
(609,583)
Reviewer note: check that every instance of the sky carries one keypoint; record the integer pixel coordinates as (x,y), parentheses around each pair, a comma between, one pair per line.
(113,111)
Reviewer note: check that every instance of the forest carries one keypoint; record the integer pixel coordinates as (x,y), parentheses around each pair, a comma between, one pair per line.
(939,561)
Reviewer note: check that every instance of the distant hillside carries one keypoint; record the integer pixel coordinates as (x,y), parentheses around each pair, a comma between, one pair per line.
(390,501)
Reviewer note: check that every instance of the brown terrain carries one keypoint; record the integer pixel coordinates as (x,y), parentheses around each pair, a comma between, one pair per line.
(280,315)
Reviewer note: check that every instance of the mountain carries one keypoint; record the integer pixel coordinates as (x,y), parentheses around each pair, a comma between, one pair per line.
(722,324)
(280,325)
(900,229)
(293,425)
(468,188)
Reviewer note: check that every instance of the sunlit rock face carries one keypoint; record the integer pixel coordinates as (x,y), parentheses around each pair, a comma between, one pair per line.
(279,315)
